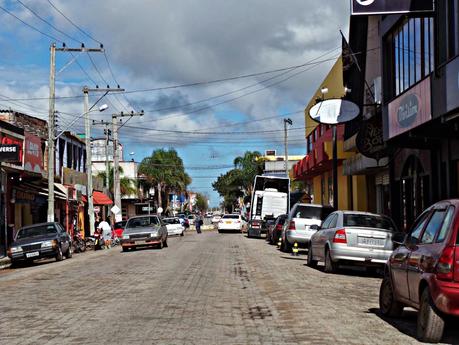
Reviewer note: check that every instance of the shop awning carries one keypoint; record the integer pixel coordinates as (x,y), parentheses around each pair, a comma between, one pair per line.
(101,199)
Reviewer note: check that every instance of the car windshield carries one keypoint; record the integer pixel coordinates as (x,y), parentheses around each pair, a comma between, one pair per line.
(36,231)
(369,221)
(171,220)
(231,216)
(312,212)
(142,222)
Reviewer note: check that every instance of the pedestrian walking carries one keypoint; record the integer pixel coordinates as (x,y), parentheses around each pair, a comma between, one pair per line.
(106,232)
(198,222)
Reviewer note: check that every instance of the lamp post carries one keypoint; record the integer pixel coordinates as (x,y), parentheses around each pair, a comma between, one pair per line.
(290,122)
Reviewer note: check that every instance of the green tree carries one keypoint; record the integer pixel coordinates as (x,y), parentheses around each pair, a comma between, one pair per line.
(127,185)
(164,171)
(250,165)
(201,202)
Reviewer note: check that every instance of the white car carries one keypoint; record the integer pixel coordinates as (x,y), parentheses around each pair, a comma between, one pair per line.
(174,226)
(191,218)
(216,218)
(233,222)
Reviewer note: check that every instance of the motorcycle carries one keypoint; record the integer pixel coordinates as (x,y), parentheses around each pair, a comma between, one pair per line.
(98,240)
(79,244)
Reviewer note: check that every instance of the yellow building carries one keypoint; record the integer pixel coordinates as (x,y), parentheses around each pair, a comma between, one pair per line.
(316,168)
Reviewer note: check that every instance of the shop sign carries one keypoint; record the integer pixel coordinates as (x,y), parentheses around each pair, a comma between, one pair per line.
(452,85)
(334,111)
(367,7)
(370,139)
(73,177)
(33,158)
(19,195)
(9,153)
(411,109)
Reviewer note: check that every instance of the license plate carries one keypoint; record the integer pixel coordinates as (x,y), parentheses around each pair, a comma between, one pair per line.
(32,254)
(370,241)
(228,222)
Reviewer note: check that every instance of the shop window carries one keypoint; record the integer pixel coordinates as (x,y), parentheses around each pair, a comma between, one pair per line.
(412,45)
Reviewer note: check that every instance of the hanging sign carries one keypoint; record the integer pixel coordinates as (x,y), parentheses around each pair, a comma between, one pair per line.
(370,139)
(334,111)
(368,7)
(10,153)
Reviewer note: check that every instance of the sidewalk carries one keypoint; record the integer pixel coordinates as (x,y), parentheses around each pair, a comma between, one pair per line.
(4,262)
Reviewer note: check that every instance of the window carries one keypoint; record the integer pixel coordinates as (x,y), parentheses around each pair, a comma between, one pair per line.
(446,225)
(326,223)
(412,45)
(368,221)
(312,212)
(433,226)
(417,229)
(334,221)
(309,140)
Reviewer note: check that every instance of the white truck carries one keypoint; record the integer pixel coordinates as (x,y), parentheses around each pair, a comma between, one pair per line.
(270,199)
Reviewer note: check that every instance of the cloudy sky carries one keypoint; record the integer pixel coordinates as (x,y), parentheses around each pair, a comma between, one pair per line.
(152,45)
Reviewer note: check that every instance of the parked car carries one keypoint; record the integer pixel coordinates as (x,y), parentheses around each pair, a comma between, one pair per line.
(118,229)
(144,231)
(423,272)
(275,231)
(216,218)
(297,227)
(209,215)
(232,222)
(174,226)
(45,240)
(352,237)
(191,218)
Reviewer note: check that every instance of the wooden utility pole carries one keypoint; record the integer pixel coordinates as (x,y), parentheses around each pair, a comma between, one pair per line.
(51,119)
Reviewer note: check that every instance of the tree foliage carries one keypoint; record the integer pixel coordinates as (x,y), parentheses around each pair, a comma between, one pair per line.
(201,202)
(238,182)
(164,171)
(127,186)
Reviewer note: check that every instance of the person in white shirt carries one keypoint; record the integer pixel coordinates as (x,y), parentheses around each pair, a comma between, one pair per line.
(106,233)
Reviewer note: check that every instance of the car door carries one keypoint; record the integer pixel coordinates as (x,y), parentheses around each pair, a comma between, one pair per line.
(422,256)
(64,238)
(400,258)
(322,235)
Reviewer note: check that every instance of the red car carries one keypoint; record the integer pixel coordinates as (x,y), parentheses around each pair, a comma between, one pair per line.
(423,272)
(118,229)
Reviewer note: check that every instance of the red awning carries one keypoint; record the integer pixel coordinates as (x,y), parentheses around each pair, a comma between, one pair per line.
(84,199)
(101,199)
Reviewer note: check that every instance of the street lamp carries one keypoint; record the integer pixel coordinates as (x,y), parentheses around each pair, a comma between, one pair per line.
(290,122)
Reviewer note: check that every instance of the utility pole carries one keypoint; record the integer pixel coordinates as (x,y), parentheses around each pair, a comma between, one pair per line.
(87,135)
(51,115)
(116,162)
(52,101)
(290,122)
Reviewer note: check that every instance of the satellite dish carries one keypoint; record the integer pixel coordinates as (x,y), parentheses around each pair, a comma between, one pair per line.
(334,111)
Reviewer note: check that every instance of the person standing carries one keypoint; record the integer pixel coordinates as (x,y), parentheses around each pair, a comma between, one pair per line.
(198,222)
(106,233)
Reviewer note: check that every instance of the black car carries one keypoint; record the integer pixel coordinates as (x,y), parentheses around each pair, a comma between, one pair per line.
(45,240)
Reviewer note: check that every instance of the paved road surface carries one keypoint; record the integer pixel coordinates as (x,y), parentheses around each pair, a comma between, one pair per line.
(204,289)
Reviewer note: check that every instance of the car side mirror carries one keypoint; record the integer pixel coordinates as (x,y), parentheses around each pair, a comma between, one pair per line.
(314,227)
(399,238)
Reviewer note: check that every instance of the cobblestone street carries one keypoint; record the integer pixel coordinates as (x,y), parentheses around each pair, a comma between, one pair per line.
(203,289)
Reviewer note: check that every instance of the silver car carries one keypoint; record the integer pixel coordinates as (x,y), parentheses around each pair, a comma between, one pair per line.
(144,231)
(352,237)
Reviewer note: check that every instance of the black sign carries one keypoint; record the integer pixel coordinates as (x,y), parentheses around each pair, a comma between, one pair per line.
(370,139)
(9,153)
(366,7)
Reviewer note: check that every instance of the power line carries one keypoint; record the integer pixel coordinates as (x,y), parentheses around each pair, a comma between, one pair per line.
(71,22)
(47,22)
(31,26)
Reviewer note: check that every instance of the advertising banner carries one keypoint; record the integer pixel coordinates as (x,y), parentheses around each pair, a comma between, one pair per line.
(369,7)
(9,153)
(33,158)
(411,109)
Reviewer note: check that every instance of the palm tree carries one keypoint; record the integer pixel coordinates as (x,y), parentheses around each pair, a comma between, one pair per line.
(164,171)
(250,165)
(127,185)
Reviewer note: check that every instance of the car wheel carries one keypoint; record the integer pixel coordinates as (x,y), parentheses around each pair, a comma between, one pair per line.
(286,247)
(69,253)
(430,324)
(165,243)
(59,255)
(388,305)
(310,261)
(330,266)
